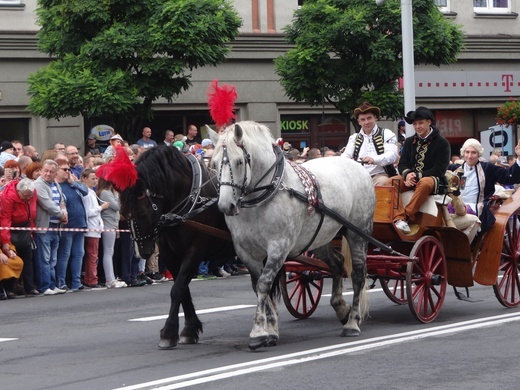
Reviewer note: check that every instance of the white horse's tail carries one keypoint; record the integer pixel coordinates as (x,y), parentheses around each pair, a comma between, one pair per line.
(363,295)
(364,302)
(347,257)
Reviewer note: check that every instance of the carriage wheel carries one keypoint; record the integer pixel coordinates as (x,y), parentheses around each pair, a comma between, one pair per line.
(426,279)
(395,290)
(507,288)
(301,292)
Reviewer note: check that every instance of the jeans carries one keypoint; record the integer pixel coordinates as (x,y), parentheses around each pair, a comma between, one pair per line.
(70,253)
(46,258)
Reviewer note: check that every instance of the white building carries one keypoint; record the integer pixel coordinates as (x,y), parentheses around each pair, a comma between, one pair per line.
(464,95)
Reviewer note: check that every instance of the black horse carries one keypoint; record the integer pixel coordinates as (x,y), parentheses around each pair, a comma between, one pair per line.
(173,203)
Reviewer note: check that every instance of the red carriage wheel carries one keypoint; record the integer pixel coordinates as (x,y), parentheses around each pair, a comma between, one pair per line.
(301,291)
(426,279)
(507,288)
(395,290)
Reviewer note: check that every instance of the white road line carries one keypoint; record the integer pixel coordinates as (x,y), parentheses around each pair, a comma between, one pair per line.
(7,339)
(372,290)
(180,381)
(204,311)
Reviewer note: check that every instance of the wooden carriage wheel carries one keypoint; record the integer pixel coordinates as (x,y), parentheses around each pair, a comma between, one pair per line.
(507,288)
(426,279)
(395,290)
(301,291)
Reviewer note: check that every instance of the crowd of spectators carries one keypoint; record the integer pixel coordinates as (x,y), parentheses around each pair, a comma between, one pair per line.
(60,227)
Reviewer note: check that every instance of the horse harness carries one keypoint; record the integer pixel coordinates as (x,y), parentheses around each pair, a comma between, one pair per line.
(269,190)
(312,194)
(184,210)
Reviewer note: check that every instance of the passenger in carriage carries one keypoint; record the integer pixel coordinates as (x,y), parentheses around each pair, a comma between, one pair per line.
(374,147)
(422,166)
(481,178)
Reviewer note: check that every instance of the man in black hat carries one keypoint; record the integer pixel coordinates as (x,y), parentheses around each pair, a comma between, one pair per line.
(374,147)
(422,167)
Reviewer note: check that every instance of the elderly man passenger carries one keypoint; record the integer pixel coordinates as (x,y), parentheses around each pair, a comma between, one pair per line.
(373,146)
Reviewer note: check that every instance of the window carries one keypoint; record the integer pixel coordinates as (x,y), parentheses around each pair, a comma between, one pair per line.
(494,6)
(9,2)
(444,5)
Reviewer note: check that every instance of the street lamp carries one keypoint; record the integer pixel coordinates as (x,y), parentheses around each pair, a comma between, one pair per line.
(408,59)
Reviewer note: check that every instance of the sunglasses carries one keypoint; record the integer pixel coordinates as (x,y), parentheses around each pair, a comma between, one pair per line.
(65,169)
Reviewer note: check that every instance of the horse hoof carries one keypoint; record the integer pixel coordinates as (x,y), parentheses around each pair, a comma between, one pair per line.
(188,340)
(257,342)
(350,333)
(271,340)
(167,344)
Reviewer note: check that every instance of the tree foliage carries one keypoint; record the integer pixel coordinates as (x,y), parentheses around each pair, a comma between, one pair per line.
(115,57)
(350,51)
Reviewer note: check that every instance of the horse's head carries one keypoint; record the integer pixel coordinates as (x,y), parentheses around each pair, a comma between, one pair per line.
(142,209)
(241,154)
(161,175)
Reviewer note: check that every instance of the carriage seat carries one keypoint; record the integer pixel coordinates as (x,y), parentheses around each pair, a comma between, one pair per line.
(428,207)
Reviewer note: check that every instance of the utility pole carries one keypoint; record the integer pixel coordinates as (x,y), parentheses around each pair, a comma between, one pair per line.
(408,59)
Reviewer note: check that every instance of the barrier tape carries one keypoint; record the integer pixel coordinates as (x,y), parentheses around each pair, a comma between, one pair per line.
(64,229)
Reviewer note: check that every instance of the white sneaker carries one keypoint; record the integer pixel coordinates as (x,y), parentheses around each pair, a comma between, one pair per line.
(116,284)
(402,226)
(49,292)
(59,291)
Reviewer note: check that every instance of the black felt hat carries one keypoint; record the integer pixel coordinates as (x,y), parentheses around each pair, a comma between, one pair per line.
(6,145)
(419,114)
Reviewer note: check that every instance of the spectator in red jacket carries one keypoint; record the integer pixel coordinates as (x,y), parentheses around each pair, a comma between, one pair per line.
(18,209)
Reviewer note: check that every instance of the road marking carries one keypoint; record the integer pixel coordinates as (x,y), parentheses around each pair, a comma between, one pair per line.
(204,311)
(372,290)
(214,374)
(7,339)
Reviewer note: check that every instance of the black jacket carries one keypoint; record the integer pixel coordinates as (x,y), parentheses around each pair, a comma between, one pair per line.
(427,158)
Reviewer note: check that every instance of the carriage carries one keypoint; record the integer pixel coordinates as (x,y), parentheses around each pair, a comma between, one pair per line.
(172,200)
(424,262)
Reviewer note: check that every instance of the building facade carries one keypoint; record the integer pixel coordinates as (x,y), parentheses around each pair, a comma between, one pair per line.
(464,95)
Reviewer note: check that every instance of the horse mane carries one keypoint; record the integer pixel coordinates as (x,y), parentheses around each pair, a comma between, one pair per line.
(158,169)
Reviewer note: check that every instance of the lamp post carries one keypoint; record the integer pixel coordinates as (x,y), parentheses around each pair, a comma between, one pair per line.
(408,58)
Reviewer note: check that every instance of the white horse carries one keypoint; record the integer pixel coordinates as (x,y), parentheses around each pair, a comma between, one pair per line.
(260,195)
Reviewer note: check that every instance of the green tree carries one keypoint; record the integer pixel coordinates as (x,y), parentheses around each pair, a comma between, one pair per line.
(116,57)
(350,51)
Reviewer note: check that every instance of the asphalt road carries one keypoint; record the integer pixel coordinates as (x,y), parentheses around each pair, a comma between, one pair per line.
(108,340)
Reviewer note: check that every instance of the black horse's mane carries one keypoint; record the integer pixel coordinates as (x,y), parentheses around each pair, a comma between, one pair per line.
(158,169)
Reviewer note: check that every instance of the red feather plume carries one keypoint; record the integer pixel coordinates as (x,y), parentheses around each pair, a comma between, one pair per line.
(221,101)
(120,171)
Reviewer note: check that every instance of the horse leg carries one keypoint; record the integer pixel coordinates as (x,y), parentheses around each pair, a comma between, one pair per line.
(334,260)
(180,293)
(358,250)
(265,324)
(170,332)
(192,325)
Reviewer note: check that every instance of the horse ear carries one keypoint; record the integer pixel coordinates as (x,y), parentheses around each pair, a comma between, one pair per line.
(239,133)
(213,136)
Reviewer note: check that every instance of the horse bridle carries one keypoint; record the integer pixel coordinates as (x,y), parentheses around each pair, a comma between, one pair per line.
(269,190)
(182,211)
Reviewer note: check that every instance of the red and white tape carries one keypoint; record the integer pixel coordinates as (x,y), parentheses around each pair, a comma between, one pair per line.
(39,229)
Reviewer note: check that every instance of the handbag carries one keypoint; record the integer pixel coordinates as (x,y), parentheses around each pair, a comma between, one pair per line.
(21,238)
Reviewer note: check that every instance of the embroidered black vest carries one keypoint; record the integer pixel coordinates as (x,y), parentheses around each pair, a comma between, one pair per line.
(378,139)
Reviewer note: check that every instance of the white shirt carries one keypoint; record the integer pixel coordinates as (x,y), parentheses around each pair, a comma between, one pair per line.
(368,149)
(470,191)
